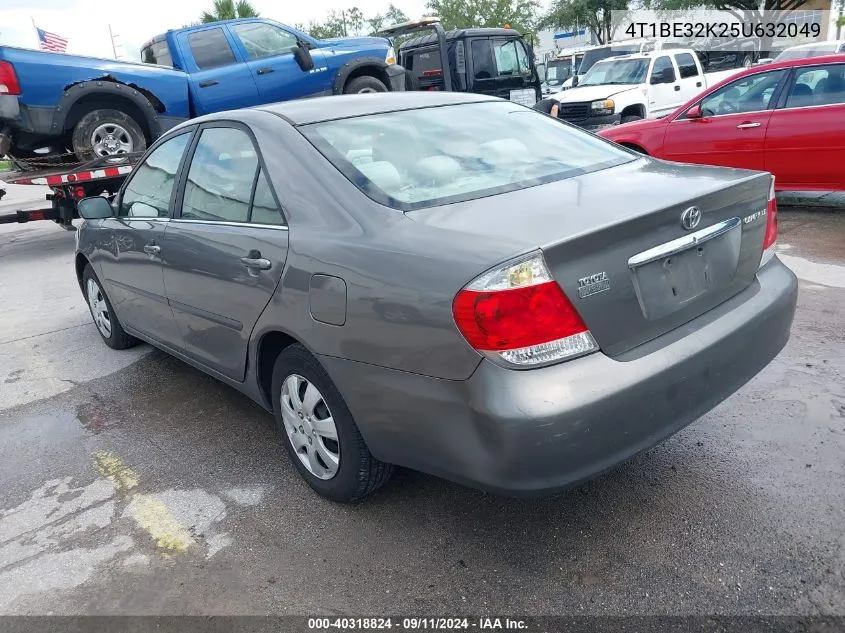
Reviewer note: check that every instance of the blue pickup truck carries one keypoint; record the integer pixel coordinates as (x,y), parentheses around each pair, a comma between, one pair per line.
(52,104)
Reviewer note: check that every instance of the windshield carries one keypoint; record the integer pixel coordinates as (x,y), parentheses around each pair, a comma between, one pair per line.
(558,72)
(598,54)
(801,53)
(432,156)
(623,71)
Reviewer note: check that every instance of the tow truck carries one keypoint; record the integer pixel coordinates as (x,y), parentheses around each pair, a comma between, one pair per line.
(69,183)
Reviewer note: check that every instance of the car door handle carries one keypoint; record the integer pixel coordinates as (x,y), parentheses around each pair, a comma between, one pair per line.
(745,126)
(698,84)
(677,88)
(152,249)
(264,71)
(256,263)
(208,83)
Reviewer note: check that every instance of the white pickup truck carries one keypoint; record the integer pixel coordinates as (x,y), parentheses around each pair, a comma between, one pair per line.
(631,87)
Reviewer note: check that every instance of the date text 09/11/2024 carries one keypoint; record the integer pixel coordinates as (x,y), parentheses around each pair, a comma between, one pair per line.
(703,30)
(416,624)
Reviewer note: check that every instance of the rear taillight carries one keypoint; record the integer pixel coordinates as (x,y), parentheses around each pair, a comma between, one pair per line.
(771,237)
(518,314)
(8,80)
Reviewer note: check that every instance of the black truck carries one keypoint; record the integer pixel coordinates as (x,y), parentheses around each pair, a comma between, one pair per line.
(490,61)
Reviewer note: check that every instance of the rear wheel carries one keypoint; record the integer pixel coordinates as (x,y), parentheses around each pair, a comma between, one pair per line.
(107,133)
(103,314)
(748,60)
(318,431)
(361,85)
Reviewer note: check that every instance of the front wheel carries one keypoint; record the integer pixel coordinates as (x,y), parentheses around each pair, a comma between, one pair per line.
(318,431)
(361,85)
(103,314)
(628,118)
(103,133)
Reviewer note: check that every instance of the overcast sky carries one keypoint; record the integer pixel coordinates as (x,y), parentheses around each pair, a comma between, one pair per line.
(85,23)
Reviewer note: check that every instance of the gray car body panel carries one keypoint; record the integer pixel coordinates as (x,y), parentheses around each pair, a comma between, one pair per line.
(421,396)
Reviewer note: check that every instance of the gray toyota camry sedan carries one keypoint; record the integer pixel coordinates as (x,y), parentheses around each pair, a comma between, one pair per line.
(447,282)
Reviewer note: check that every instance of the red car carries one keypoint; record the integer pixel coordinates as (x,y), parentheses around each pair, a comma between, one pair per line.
(787,118)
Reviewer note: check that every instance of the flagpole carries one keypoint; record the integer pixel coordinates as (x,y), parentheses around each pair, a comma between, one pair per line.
(38,39)
(111,36)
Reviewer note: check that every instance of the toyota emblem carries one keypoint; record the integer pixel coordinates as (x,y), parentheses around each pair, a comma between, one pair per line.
(690,218)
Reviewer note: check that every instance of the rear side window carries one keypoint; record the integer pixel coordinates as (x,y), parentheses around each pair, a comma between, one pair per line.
(211,49)
(223,175)
(264,40)
(157,53)
(686,65)
(817,85)
(148,192)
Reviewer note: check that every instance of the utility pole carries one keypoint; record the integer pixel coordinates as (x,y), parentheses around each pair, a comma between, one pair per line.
(113,47)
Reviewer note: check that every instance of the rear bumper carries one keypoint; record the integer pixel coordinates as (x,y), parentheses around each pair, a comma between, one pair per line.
(538,431)
(17,119)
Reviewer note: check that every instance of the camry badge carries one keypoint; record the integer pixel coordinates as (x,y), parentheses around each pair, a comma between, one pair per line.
(690,218)
(593,284)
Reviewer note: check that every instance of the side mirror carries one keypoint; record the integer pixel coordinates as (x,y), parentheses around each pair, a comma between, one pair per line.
(95,208)
(694,112)
(303,56)
(574,80)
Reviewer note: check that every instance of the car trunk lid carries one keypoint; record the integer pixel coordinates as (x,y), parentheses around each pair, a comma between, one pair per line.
(615,242)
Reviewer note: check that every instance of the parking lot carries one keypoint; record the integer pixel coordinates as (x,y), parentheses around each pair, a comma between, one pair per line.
(134,484)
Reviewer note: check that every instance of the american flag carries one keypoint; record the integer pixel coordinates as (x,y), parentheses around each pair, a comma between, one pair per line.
(51,41)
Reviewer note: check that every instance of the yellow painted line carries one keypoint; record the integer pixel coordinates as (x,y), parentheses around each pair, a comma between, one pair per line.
(149,513)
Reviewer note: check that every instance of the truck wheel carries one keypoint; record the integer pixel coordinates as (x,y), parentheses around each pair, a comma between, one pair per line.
(107,133)
(748,60)
(631,117)
(360,85)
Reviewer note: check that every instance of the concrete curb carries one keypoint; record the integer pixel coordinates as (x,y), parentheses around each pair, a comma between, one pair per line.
(818,199)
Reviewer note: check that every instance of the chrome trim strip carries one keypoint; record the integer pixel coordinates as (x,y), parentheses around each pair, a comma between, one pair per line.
(280,227)
(683,243)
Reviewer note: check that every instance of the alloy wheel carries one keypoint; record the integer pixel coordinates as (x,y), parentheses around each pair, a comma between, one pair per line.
(310,427)
(109,139)
(99,308)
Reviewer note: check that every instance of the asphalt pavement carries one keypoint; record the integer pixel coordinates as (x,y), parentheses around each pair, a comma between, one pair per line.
(131,483)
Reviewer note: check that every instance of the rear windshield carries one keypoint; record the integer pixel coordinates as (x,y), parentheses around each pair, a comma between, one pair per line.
(433,156)
(157,53)
(597,54)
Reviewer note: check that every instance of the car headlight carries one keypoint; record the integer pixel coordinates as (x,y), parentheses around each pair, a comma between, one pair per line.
(603,107)
(390,58)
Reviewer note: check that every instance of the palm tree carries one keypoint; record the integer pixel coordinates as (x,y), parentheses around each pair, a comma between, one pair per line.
(229,10)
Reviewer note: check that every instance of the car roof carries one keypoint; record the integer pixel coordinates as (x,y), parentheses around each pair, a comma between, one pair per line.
(304,111)
(812,45)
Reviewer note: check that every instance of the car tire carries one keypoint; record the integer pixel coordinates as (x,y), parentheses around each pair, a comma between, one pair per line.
(365,84)
(106,133)
(357,473)
(628,118)
(748,60)
(113,333)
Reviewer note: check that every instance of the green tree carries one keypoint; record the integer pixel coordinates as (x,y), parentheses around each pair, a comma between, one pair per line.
(393,15)
(461,14)
(229,10)
(596,15)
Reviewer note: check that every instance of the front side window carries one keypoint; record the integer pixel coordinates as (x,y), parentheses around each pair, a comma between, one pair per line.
(211,49)
(432,156)
(482,59)
(148,192)
(818,85)
(749,94)
(264,40)
(663,71)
